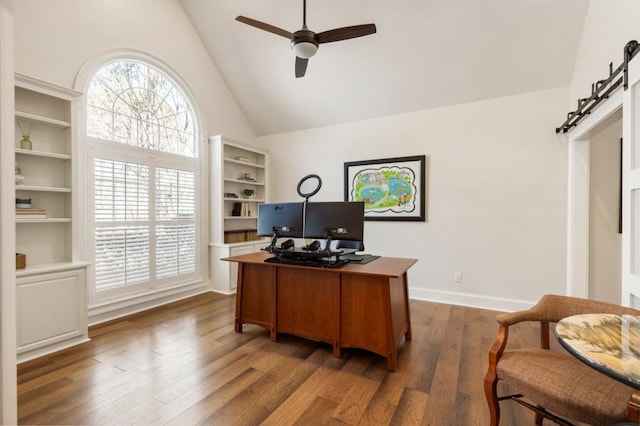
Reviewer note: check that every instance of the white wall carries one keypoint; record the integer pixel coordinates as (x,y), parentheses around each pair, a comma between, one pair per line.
(496,194)
(608,27)
(605,243)
(55,38)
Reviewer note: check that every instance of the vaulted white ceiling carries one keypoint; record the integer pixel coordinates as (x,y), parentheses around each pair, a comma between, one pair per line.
(425,54)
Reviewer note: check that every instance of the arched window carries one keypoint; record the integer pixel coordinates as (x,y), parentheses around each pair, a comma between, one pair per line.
(142,134)
(133,103)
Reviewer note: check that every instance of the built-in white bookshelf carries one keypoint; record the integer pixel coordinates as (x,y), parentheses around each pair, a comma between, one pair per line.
(234,168)
(48,111)
(45,232)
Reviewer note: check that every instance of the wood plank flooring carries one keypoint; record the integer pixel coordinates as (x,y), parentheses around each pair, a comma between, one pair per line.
(182,364)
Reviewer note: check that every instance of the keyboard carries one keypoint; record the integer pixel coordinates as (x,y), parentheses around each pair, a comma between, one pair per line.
(316,263)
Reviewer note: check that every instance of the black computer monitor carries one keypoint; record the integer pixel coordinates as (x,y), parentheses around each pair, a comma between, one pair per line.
(334,219)
(277,220)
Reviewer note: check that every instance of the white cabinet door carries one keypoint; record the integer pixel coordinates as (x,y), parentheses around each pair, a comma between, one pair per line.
(233,267)
(224,275)
(51,310)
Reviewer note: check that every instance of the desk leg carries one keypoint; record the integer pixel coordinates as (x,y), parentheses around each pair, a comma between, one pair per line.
(238,319)
(273,334)
(273,317)
(389,301)
(337,352)
(405,281)
(392,361)
(397,323)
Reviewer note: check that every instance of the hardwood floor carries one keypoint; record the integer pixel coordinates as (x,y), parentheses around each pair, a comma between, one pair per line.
(183,364)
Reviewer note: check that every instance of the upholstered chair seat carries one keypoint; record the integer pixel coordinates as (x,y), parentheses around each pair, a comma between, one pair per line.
(563,384)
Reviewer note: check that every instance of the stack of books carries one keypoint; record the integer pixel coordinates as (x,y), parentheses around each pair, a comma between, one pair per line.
(31,214)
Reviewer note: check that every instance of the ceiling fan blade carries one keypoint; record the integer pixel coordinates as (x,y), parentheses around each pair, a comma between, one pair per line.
(301,66)
(265,27)
(345,33)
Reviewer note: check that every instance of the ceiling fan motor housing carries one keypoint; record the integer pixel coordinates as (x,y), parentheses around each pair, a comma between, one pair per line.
(304,43)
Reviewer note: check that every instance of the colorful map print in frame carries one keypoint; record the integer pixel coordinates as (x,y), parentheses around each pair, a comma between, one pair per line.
(391,188)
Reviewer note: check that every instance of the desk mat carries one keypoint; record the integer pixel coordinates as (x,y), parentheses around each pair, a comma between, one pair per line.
(359,258)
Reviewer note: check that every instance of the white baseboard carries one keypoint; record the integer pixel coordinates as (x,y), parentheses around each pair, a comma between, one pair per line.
(121,308)
(47,350)
(225,293)
(472,300)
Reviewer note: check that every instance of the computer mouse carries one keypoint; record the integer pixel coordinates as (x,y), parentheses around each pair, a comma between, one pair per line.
(314,245)
(287,244)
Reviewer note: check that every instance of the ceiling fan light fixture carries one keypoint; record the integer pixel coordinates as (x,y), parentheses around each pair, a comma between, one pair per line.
(304,49)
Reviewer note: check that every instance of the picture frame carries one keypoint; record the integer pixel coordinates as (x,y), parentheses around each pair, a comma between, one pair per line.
(393,189)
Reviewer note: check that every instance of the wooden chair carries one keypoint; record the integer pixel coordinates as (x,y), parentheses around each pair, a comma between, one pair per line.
(557,386)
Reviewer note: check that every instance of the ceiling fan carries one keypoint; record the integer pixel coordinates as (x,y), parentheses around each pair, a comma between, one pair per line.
(305,42)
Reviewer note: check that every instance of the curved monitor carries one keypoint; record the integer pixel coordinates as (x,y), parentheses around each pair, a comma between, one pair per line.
(281,219)
(335,220)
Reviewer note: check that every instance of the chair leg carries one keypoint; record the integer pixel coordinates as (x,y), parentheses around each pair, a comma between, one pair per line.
(539,418)
(491,378)
(633,408)
(490,391)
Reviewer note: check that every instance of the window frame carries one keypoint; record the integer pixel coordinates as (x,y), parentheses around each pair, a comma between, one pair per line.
(105,149)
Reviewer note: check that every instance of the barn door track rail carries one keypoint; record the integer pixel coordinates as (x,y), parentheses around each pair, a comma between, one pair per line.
(601,89)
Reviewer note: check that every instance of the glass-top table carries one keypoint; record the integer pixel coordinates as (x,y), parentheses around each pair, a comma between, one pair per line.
(607,342)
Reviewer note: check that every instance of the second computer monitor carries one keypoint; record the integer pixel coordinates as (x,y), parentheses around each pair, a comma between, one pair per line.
(335,220)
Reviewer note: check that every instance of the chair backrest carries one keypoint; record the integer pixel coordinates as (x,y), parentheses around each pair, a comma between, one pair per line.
(352,244)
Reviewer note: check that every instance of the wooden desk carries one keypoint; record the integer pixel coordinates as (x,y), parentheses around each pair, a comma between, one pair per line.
(607,342)
(353,306)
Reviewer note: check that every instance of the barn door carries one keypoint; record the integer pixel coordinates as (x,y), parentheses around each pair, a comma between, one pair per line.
(631,188)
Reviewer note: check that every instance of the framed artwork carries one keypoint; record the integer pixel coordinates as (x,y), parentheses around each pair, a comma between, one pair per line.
(391,188)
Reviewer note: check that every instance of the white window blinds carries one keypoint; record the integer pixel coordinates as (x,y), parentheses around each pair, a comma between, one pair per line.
(175,232)
(122,243)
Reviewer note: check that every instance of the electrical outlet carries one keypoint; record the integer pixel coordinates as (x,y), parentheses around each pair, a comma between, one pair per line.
(457,277)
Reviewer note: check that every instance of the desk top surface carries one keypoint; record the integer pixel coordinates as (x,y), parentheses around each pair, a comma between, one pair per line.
(384,266)
(607,342)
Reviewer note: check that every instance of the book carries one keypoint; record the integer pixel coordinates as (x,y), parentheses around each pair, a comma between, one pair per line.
(245,210)
(31,214)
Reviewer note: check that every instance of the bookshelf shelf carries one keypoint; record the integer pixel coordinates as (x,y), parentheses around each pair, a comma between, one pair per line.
(244,182)
(41,188)
(47,220)
(38,119)
(43,154)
